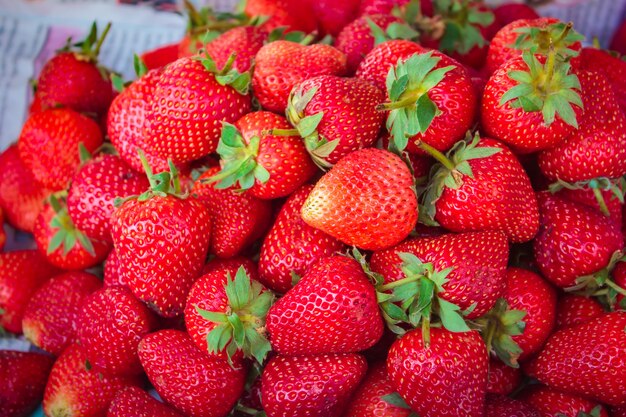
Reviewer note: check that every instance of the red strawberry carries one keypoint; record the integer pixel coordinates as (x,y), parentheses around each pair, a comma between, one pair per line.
(280,65)
(573,240)
(373,7)
(453,365)
(21,274)
(21,196)
(618,412)
(573,310)
(609,65)
(184,376)
(218,264)
(503,379)
(588,360)
(332,309)
(553,403)
(112,276)
(376,65)
(501,406)
(510,12)
(365,200)
(111,322)
(309,386)
(136,402)
(334,15)
(245,41)
(602,194)
(49,144)
(335,116)
(51,317)
(23,377)
(190,101)
(283,13)
(95,187)
(161,56)
(75,389)
(75,80)
(238,219)
(292,246)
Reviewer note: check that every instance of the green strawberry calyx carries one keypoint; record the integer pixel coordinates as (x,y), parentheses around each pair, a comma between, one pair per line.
(411,110)
(616,186)
(227,75)
(89,48)
(463,20)
(595,412)
(206,24)
(66,234)
(559,36)
(397,401)
(242,326)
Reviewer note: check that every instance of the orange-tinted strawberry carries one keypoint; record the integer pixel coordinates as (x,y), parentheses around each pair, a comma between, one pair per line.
(136,402)
(365,200)
(503,379)
(554,403)
(245,41)
(161,56)
(51,317)
(49,144)
(500,406)
(283,13)
(572,310)
(280,65)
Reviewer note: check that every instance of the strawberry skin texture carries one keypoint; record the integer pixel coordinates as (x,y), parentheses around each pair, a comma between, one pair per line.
(280,65)
(585,196)
(23,377)
(588,360)
(3,236)
(51,317)
(573,310)
(374,7)
(510,12)
(184,119)
(189,380)
(612,67)
(72,390)
(218,264)
(479,260)
(95,187)
(21,274)
(49,142)
(499,196)
(365,200)
(293,245)
(136,402)
(334,15)
(245,41)
(161,56)
(237,219)
(454,367)
(112,275)
(501,406)
(367,400)
(502,379)
(161,245)
(283,13)
(114,318)
(553,403)
(310,386)
(333,309)
(573,240)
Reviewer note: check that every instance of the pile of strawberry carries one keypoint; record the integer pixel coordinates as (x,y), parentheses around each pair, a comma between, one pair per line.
(328,208)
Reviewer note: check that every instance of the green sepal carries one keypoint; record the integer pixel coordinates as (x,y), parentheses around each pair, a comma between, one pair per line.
(295,278)
(227,75)
(396,400)
(498,327)
(462,25)
(65,234)
(559,36)
(118,82)
(595,412)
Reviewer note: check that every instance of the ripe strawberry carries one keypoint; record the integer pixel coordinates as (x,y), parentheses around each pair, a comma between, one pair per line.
(292,246)
(112,276)
(453,365)
(49,144)
(603,194)
(23,377)
(95,187)
(21,196)
(136,402)
(553,403)
(502,379)
(280,65)
(572,310)
(51,316)
(245,41)
(115,319)
(609,65)
(309,386)
(161,56)
(218,264)
(238,219)
(510,12)
(332,309)
(74,79)
(573,240)
(21,274)
(283,13)
(190,101)
(189,380)
(365,200)
(75,389)
(266,165)
(335,116)
(500,406)
(376,65)
(333,15)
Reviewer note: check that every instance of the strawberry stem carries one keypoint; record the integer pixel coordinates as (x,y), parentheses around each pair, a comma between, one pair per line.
(601,203)
(426,331)
(406,101)
(281,132)
(308,38)
(147,168)
(105,32)
(439,156)
(616,287)
(400,282)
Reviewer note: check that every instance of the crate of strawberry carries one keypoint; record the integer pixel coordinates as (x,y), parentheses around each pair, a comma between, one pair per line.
(323,209)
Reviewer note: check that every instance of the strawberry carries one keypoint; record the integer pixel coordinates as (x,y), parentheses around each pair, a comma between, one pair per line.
(74,79)
(190,101)
(3,236)
(335,116)
(238,219)
(309,386)
(510,12)
(95,187)
(51,316)
(587,360)
(553,403)
(245,41)
(266,165)
(23,377)
(503,379)
(453,365)
(603,194)
(500,406)
(136,402)
(618,412)
(573,240)
(161,240)
(63,244)
(189,380)
(282,64)
(283,13)
(365,200)
(114,318)
(75,389)
(572,310)
(332,309)
(49,144)
(609,65)
(21,196)
(333,15)
(21,274)
(112,276)
(292,246)
(369,398)
(218,264)
(160,56)
(481,185)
